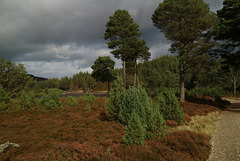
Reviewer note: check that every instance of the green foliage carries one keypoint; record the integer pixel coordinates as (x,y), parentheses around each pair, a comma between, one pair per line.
(124,34)
(3,95)
(134,109)
(181,27)
(64,83)
(135,131)
(157,126)
(167,104)
(50,83)
(89,98)
(228,27)
(185,23)
(211,75)
(27,100)
(129,103)
(87,107)
(207,91)
(103,69)
(82,81)
(116,95)
(161,72)
(51,100)
(228,36)
(71,101)
(122,31)
(13,78)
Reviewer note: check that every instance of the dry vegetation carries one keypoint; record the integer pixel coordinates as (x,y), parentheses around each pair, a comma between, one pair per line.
(71,133)
(200,124)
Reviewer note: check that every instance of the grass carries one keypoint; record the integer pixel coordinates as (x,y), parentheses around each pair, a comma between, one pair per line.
(234,98)
(200,124)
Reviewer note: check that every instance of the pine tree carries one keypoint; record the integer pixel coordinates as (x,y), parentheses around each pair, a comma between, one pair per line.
(135,131)
(103,70)
(186,23)
(116,95)
(124,34)
(228,32)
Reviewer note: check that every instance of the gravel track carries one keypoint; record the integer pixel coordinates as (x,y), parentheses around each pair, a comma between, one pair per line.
(226,139)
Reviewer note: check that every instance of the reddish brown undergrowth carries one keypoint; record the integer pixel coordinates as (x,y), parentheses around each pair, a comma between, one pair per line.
(71,133)
(198,108)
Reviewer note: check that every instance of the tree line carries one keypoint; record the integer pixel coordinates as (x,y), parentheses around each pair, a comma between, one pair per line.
(193,30)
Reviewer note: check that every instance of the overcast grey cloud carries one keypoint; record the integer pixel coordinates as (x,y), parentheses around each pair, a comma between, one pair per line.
(56,38)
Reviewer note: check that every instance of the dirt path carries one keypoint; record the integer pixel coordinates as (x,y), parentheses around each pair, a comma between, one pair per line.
(226,140)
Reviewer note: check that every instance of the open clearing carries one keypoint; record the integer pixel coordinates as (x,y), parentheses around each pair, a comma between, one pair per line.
(71,133)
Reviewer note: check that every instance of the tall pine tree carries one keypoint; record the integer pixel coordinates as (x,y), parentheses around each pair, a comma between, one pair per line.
(228,32)
(124,34)
(185,22)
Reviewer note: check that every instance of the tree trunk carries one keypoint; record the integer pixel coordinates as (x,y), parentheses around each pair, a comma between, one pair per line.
(135,74)
(108,85)
(234,86)
(137,78)
(124,73)
(182,88)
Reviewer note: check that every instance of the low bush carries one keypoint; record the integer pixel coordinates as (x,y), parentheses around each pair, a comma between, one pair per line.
(166,102)
(187,118)
(71,101)
(200,107)
(121,107)
(112,105)
(27,100)
(134,131)
(51,100)
(171,123)
(3,95)
(89,98)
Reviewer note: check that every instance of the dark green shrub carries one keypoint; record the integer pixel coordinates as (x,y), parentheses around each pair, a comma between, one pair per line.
(27,100)
(157,127)
(136,100)
(71,101)
(207,91)
(129,103)
(3,95)
(51,100)
(168,106)
(116,95)
(134,130)
(158,90)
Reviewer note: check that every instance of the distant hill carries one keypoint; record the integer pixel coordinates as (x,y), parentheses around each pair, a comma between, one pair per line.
(37,78)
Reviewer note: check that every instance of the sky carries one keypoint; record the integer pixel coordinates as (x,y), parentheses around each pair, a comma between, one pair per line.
(57,38)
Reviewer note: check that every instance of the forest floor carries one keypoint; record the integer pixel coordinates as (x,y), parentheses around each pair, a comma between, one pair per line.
(225,141)
(71,133)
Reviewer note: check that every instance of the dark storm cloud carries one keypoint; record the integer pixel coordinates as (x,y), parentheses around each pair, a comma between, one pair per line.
(49,34)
